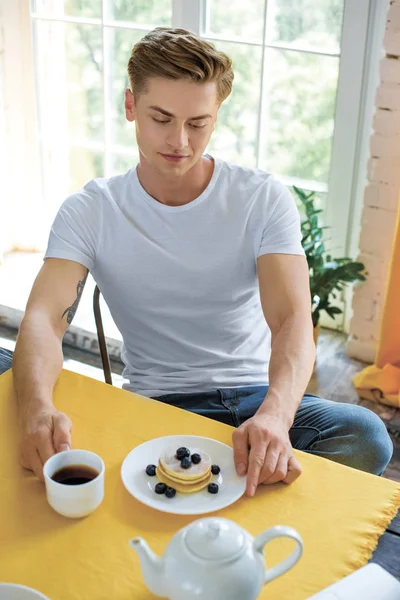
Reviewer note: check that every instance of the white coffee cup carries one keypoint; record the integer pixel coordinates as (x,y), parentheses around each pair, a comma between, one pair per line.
(74,501)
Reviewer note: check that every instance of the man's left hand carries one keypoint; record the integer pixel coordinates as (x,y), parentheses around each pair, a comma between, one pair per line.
(262,449)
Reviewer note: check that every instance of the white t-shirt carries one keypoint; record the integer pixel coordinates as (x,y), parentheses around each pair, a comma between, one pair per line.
(181,281)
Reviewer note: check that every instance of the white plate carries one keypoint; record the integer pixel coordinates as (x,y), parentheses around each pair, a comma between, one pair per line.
(13,591)
(141,486)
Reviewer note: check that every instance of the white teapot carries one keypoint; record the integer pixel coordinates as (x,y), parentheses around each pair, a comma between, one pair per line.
(213,559)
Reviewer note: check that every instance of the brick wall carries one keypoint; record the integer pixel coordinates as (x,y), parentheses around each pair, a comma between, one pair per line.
(381,199)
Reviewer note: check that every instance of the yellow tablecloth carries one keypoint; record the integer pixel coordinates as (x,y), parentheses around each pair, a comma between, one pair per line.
(339,512)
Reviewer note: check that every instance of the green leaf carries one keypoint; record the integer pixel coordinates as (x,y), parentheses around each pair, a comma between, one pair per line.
(332,311)
(326,274)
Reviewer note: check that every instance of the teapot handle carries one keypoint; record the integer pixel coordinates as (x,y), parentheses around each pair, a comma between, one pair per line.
(276,532)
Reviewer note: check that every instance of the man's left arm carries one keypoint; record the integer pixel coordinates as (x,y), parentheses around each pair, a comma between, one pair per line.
(262,445)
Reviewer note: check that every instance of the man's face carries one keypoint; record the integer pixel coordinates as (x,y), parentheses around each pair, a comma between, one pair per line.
(169,131)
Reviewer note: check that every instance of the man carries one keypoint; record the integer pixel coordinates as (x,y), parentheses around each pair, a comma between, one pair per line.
(201,265)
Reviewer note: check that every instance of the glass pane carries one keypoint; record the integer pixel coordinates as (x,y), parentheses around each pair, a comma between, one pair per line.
(309,23)
(69,65)
(119,47)
(121,163)
(72,8)
(145,12)
(320,199)
(235,135)
(235,19)
(83,8)
(298,114)
(84,61)
(84,165)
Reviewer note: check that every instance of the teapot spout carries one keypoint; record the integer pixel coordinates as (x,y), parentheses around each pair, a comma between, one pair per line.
(152,567)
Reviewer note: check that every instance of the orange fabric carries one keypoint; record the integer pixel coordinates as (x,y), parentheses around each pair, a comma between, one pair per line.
(339,512)
(381,381)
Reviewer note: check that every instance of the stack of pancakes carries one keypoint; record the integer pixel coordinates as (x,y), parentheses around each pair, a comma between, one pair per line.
(193,479)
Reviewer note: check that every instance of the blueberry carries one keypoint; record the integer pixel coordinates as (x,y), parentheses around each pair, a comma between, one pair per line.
(196,458)
(160,488)
(213,488)
(215,469)
(182,453)
(170,492)
(186,462)
(151,470)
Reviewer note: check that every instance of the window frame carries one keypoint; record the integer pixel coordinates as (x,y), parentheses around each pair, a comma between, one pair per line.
(361,50)
(356,24)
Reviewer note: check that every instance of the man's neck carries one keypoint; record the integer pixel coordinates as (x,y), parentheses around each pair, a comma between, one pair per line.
(176,192)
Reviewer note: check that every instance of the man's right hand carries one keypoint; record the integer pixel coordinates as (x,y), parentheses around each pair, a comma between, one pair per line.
(45,433)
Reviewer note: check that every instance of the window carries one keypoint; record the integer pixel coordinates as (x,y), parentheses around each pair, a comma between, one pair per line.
(295,108)
(286,58)
(81,50)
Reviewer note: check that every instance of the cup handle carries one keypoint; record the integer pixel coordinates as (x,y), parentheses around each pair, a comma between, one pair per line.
(276,532)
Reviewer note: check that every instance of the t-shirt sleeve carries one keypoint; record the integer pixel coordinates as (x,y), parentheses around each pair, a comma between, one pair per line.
(282,232)
(76,229)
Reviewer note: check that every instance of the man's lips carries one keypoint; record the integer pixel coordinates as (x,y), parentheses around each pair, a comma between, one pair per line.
(173,157)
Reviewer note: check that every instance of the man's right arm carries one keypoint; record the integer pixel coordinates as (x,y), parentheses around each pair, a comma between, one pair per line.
(38,359)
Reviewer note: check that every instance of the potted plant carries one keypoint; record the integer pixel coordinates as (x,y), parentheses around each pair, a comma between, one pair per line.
(327,275)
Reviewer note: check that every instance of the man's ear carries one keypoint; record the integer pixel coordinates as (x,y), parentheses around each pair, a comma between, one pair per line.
(129,105)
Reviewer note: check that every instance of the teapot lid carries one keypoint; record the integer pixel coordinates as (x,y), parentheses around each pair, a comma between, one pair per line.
(214,539)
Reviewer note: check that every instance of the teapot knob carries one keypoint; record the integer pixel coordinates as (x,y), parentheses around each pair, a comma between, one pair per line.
(214,529)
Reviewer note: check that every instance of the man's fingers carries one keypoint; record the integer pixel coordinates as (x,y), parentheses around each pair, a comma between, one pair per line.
(37,465)
(294,470)
(279,473)
(44,434)
(240,450)
(30,460)
(44,444)
(271,459)
(61,432)
(256,462)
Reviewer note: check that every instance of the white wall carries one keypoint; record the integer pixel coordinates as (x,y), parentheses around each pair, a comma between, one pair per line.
(381,199)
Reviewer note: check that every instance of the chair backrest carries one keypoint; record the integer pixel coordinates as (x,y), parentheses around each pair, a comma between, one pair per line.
(101,337)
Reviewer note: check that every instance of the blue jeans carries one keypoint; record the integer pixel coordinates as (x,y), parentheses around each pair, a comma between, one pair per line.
(345,433)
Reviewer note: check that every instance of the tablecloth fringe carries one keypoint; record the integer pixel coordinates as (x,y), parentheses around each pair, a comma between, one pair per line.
(372,538)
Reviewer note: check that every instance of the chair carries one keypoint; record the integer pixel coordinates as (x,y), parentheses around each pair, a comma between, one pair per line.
(105,359)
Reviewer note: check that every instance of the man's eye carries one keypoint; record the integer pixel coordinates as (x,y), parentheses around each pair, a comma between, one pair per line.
(193,126)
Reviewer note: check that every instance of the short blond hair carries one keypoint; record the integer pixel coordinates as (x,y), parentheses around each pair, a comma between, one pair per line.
(179,54)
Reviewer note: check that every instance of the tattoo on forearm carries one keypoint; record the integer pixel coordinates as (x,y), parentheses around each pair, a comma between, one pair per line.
(71,310)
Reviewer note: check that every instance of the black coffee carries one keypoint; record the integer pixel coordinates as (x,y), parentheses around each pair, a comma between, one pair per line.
(75,475)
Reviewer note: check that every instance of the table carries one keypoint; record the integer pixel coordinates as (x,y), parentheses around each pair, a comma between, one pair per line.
(387,553)
(339,512)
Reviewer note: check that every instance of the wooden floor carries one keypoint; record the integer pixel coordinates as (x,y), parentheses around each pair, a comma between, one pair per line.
(332,379)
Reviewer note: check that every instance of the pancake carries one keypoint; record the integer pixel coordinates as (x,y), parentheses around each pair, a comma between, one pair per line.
(160,470)
(188,487)
(171,467)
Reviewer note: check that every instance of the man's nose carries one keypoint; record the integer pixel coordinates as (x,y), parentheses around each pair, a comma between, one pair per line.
(178,137)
